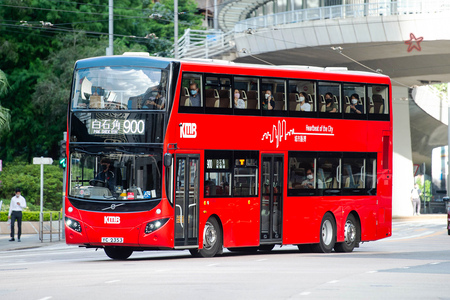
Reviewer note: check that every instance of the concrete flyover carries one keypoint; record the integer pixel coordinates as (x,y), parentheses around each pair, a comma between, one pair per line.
(407,40)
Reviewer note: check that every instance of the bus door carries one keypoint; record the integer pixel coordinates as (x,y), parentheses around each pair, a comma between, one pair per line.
(271,197)
(187,193)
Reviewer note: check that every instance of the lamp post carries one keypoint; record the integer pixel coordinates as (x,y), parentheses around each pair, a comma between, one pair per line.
(110,49)
(175,24)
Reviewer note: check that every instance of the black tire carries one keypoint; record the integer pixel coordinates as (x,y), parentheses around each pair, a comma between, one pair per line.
(305,248)
(327,235)
(448,231)
(194,252)
(266,248)
(212,239)
(352,233)
(118,253)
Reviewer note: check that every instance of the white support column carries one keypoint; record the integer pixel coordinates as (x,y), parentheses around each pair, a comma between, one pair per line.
(403,177)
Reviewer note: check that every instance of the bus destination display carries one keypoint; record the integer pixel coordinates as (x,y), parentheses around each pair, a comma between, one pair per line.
(117,126)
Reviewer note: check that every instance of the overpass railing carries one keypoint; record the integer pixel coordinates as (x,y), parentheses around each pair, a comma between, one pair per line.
(205,43)
(380,8)
(211,43)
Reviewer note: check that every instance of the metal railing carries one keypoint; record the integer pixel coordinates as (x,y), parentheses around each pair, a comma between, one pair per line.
(47,227)
(205,43)
(381,8)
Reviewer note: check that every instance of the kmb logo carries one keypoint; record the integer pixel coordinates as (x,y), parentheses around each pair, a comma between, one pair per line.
(112,220)
(188,130)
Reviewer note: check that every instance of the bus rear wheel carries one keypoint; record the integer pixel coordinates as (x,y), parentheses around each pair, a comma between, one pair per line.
(212,239)
(327,235)
(119,253)
(351,236)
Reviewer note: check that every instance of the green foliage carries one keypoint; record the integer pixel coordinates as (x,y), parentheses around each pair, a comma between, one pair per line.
(427,191)
(32,216)
(40,40)
(442,87)
(27,177)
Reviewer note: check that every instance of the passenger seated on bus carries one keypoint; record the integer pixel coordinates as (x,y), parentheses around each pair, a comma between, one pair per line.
(304,106)
(309,182)
(294,180)
(268,102)
(155,100)
(194,96)
(238,102)
(355,107)
(330,104)
(378,103)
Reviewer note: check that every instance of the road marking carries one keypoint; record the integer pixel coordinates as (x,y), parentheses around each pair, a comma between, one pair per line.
(112,281)
(415,237)
(371,272)
(46,298)
(305,293)
(213,265)
(333,281)
(263,259)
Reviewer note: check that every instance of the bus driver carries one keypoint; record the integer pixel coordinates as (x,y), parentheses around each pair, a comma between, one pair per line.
(107,174)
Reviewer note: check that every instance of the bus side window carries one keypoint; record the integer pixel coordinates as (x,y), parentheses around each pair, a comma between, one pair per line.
(302,178)
(378,99)
(191,90)
(354,95)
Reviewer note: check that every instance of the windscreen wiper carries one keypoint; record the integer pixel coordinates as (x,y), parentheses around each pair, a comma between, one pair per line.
(87,152)
(128,152)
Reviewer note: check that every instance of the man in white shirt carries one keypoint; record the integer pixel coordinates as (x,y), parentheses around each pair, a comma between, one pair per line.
(18,204)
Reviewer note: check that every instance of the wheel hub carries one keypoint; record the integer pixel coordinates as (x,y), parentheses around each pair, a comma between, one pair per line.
(350,232)
(327,232)
(209,236)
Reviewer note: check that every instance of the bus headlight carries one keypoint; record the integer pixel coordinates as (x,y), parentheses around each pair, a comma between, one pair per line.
(75,225)
(155,225)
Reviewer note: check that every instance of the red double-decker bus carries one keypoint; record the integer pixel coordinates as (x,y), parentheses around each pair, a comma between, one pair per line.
(197,155)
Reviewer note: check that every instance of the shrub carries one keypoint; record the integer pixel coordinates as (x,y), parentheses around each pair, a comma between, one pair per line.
(32,216)
(28,178)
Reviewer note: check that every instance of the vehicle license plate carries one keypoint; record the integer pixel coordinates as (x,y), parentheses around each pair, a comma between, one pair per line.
(112,240)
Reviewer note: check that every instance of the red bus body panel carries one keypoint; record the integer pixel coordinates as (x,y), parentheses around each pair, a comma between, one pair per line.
(240,216)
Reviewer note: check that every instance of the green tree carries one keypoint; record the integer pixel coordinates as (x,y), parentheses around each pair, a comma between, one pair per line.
(5,117)
(38,58)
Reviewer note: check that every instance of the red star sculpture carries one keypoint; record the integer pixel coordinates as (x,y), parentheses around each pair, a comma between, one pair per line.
(414,42)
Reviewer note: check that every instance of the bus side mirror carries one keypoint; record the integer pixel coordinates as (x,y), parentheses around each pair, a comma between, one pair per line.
(167,160)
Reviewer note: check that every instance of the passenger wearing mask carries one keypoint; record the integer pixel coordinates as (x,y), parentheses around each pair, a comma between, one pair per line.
(330,104)
(355,108)
(309,182)
(194,95)
(269,102)
(238,102)
(303,105)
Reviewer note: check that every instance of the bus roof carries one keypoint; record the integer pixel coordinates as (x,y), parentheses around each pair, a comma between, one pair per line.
(139,59)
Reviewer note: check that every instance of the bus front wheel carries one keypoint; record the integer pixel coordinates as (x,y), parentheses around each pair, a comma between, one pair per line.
(327,235)
(212,239)
(119,253)
(351,236)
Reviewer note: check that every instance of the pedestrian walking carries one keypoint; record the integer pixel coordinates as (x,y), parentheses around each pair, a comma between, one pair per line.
(18,204)
(415,199)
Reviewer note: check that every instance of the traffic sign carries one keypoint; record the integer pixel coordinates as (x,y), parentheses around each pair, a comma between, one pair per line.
(42,160)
